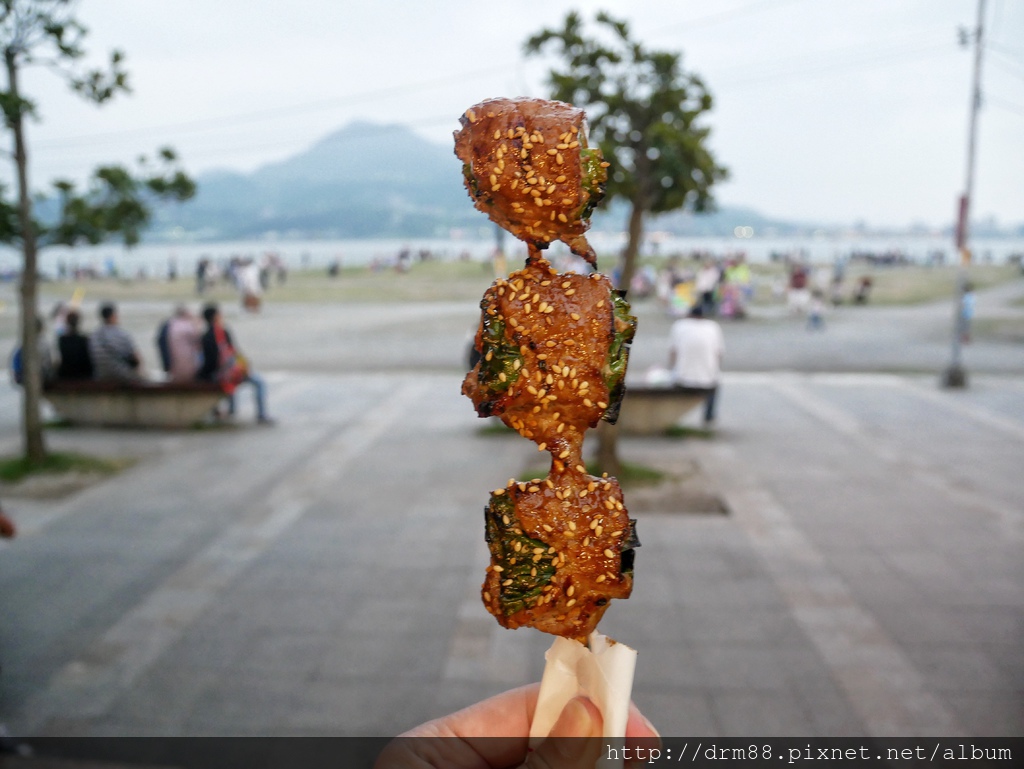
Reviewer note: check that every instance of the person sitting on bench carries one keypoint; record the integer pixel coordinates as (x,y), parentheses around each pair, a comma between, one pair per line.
(114,354)
(222,363)
(75,361)
(695,353)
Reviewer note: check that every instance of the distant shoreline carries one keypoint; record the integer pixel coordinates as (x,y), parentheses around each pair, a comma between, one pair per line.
(156,258)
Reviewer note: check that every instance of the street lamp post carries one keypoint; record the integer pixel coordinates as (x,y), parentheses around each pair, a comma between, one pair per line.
(956,375)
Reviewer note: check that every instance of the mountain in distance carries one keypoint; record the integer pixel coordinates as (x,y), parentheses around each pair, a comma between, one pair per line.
(722,221)
(365,180)
(369,180)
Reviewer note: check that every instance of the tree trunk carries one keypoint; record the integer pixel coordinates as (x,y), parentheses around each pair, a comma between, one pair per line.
(607,449)
(607,435)
(31,365)
(636,234)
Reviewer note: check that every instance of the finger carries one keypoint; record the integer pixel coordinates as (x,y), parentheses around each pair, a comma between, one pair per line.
(639,727)
(640,733)
(579,718)
(574,741)
(489,733)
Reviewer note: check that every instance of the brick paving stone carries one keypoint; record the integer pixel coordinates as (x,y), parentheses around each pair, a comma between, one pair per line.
(897,517)
(681,712)
(829,712)
(669,665)
(989,714)
(759,713)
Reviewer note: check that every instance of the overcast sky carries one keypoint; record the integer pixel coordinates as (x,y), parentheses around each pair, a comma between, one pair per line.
(824,111)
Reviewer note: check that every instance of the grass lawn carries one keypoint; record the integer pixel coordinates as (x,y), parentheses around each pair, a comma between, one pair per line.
(631,474)
(461,281)
(916,285)
(16,469)
(1007,329)
(897,285)
(430,281)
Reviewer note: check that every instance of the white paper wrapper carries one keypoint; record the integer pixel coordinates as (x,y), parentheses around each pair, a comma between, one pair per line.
(602,670)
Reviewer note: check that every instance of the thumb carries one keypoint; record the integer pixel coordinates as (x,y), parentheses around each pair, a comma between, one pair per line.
(574,740)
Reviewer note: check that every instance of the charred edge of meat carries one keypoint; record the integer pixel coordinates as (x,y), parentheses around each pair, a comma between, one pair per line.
(471,183)
(623,331)
(526,573)
(535,250)
(628,553)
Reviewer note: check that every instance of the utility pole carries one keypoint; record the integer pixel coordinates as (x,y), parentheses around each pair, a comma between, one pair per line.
(955,375)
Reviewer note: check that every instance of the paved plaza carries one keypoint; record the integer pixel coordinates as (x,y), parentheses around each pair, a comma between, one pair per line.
(322,576)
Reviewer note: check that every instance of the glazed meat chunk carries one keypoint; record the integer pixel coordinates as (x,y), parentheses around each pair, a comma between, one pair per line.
(526,165)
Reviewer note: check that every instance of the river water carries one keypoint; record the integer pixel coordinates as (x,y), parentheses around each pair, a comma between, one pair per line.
(157,258)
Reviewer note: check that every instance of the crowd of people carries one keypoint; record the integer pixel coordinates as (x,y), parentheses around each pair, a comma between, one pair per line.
(721,287)
(191,349)
(810,290)
(250,277)
(209,272)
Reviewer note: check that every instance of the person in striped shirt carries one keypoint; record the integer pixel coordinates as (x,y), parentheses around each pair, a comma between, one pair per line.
(113,352)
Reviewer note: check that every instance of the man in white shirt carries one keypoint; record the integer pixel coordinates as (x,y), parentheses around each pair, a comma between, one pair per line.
(695,356)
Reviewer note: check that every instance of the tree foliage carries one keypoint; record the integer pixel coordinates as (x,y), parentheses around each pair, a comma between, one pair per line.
(644,110)
(115,201)
(45,32)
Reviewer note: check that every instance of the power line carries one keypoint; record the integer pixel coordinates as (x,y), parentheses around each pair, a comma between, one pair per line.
(1011,68)
(303,145)
(1006,50)
(1004,104)
(205,124)
(789,74)
(813,59)
(814,72)
(224,150)
(811,69)
(717,18)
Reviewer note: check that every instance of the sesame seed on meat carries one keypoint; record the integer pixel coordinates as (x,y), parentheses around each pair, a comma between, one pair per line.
(553,353)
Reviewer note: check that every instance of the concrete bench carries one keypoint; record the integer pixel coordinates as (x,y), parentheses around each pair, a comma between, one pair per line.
(149,404)
(653,410)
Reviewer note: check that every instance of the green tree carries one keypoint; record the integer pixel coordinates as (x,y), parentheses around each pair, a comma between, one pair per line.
(645,112)
(117,201)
